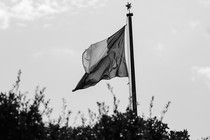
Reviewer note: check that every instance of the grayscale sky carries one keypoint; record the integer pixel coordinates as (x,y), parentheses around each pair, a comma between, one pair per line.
(46,38)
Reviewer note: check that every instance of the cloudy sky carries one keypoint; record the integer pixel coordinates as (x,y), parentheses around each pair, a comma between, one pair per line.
(46,38)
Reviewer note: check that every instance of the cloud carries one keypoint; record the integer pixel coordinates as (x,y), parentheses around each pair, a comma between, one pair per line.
(55,52)
(174,30)
(201,74)
(194,24)
(160,47)
(208,30)
(60,52)
(205,2)
(29,10)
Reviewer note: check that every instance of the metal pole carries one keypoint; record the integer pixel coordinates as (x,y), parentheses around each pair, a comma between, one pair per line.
(132,64)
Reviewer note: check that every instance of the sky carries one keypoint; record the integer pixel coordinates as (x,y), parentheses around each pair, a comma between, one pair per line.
(46,39)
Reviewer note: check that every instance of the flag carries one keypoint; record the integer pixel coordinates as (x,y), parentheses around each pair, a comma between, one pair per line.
(104,60)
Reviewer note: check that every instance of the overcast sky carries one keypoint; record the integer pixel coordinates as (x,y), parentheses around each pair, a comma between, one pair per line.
(46,38)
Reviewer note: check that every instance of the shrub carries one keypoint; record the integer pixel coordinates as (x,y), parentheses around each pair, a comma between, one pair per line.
(22,119)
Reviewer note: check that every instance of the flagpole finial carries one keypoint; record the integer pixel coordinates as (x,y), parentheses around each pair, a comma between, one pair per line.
(128,5)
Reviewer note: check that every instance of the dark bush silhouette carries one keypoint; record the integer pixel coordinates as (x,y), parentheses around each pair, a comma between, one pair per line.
(22,119)
(206,138)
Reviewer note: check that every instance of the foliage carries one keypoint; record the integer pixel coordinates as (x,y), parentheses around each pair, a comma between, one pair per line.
(206,138)
(22,119)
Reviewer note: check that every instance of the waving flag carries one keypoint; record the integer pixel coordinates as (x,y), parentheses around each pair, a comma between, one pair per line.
(104,60)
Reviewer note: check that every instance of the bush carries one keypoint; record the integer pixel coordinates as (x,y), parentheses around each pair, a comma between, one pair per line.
(22,119)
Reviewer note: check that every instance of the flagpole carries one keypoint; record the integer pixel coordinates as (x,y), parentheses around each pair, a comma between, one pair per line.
(132,64)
